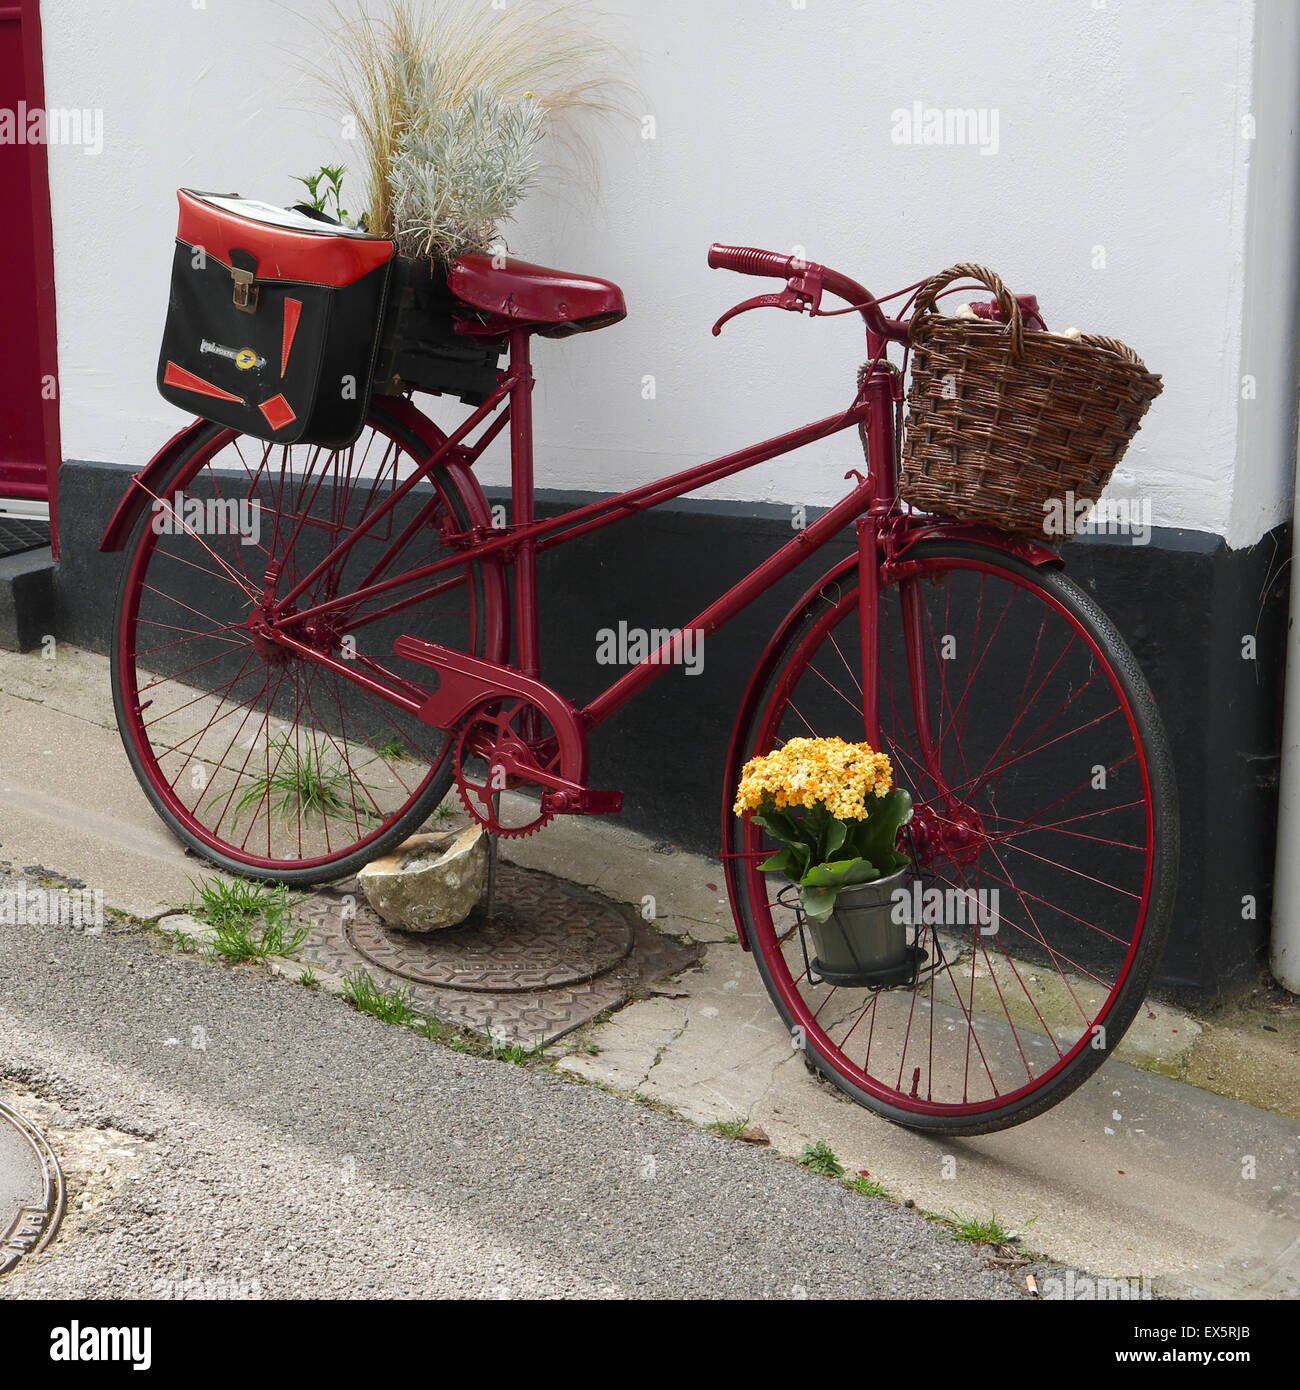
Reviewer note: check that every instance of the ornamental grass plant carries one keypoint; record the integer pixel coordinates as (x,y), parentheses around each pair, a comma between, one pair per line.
(452,101)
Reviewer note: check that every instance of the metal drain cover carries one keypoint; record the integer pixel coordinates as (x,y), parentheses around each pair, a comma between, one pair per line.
(18,535)
(31,1189)
(553,957)
(544,933)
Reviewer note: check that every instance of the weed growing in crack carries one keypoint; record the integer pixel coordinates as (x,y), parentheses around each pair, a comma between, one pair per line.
(820,1158)
(866,1185)
(977,1232)
(516,1052)
(251,920)
(361,991)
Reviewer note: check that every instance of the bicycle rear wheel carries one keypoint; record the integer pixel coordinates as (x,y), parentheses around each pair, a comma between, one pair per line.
(264,761)
(1045,833)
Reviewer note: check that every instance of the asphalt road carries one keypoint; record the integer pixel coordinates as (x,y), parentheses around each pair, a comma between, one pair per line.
(258,1138)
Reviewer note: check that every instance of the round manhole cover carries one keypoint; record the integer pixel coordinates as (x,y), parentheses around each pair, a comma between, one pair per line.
(544,934)
(31,1189)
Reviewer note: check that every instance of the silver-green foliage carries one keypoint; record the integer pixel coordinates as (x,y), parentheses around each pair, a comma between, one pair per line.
(459,168)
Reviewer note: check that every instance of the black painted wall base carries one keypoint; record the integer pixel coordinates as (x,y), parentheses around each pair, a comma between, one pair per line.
(26,599)
(1184,602)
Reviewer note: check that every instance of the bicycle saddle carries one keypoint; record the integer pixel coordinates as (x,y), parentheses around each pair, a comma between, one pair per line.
(554,302)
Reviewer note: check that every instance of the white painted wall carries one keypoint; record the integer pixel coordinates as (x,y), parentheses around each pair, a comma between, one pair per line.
(1119,127)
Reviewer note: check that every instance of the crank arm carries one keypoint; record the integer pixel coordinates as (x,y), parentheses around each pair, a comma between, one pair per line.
(559,795)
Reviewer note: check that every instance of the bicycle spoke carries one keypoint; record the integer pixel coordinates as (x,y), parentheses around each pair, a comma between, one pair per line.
(1029,825)
(259,752)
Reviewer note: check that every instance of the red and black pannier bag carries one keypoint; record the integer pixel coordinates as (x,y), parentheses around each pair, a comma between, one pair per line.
(274,320)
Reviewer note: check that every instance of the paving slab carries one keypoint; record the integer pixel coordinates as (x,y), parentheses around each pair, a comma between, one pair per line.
(70,803)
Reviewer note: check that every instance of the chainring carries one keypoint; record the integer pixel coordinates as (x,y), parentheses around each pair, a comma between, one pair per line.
(500,741)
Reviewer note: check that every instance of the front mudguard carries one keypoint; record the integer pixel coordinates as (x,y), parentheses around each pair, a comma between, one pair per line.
(1031,552)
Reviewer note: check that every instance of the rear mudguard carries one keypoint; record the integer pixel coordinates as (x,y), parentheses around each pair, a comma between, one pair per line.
(144,486)
(1022,548)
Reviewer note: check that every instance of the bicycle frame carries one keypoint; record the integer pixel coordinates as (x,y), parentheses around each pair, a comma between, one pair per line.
(521,542)
(884,533)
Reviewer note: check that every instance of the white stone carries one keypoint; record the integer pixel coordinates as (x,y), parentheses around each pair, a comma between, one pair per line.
(430,881)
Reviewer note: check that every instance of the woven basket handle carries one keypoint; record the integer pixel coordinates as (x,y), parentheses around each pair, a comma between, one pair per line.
(925,301)
(1113,345)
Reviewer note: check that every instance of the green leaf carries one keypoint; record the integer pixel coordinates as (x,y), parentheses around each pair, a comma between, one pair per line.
(841,873)
(818,903)
(835,836)
(777,824)
(783,826)
(782,862)
(876,838)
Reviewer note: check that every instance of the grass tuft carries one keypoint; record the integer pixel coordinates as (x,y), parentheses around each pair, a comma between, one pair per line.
(368,997)
(298,781)
(516,1052)
(251,920)
(866,1185)
(977,1232)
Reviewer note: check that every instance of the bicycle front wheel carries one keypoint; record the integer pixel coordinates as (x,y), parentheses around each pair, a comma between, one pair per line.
(1045,837)
(266,761)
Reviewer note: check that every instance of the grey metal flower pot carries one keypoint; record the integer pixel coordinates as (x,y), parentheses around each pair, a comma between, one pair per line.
(860,943)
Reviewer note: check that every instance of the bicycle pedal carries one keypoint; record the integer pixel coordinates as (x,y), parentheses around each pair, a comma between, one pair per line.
(581,801)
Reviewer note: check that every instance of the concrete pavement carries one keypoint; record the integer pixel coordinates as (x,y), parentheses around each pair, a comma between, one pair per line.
(1138,1174)
(228,1134)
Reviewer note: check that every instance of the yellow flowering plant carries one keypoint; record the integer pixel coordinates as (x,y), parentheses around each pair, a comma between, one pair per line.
(837,811)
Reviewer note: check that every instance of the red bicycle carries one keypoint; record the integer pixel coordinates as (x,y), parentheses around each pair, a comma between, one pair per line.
(297,703)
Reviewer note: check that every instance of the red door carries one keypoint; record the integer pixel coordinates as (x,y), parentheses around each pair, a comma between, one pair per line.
(29,407)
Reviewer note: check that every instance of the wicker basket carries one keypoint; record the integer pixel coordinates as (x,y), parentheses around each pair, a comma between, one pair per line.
(1001,420)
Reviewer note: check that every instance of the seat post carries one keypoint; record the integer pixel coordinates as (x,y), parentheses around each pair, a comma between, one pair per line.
(521,487)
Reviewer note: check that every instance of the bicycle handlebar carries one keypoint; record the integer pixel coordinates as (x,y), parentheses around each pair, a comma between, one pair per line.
(749,260)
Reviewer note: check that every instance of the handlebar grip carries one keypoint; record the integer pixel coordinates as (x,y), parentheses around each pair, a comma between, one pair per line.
(748,260)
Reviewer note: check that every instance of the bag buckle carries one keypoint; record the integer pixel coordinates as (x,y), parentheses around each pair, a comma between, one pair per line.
(245,291)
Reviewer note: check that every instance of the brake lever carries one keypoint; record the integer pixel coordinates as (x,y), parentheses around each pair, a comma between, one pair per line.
(802,294)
